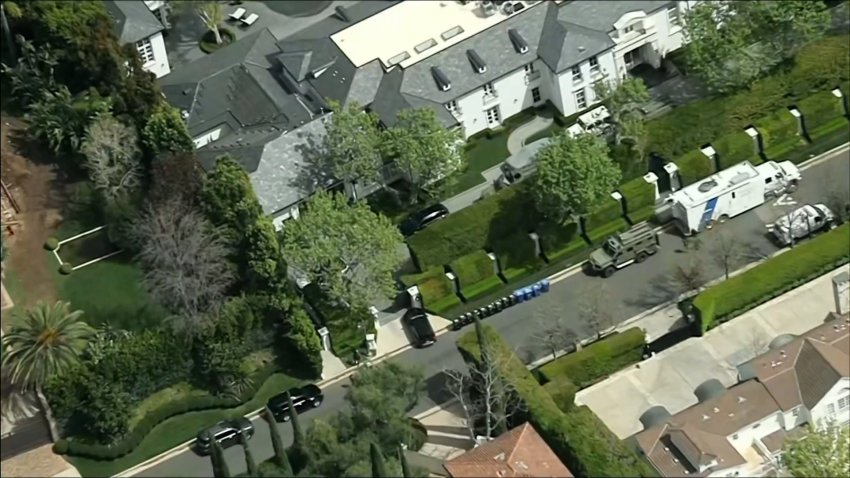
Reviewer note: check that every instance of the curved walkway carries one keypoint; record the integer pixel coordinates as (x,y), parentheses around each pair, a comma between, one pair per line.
(516,140)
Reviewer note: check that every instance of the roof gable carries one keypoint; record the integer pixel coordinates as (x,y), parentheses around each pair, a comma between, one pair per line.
(133,20)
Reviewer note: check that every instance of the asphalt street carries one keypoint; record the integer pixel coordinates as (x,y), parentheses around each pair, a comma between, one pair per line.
(629,292)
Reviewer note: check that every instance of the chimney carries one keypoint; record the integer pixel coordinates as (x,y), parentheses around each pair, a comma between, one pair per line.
(841,293)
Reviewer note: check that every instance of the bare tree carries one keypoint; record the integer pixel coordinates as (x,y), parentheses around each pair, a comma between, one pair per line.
(726,253)
(113,157)
(553,331)
(689,276)
(837,200)
(212,14)
(184,260)
(596,309)
(484,395)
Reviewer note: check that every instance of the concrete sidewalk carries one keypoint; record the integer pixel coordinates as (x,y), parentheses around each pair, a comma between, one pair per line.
(670,377)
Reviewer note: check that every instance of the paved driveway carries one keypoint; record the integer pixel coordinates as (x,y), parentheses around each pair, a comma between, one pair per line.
(669,378)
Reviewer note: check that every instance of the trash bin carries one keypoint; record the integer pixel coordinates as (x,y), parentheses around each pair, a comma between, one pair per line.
(528,293)
(544,285)
(536,289)
(518,296)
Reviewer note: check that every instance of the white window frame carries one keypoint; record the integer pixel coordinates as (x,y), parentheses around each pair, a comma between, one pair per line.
(529,69)
(493,116)
(628,29)
(830,409)
(581,99)
(594,65)
(489,89)
(539,96)
(576,72)
(843,402)
(675,20)
(145,49)
(452,106)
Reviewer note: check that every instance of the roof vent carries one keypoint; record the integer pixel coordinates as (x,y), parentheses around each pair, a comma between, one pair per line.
(580,48)
(741,399)
(184,114)
(500,457)
(520,45)
(707,186)
(342,14)
(675,460)
(705,417)
(441,79)
(715,409)
(476,60)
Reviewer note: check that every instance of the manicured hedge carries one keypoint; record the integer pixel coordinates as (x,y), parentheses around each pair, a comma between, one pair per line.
(687,127)
(433,285)
(693,167)
(606,212)
(473,268)
(517,255)
(638,193)
(159,415)
(807,260)
(598,360)
(820,109)
(580,439)
(733,148)
(779,133)
(477,227)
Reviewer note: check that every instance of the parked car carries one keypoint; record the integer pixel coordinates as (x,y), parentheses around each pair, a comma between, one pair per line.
(303,398)
(802,222)
(417,323)
(422,219)
(225,432)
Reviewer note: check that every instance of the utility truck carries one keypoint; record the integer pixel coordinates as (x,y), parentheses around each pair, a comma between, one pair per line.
(730,192)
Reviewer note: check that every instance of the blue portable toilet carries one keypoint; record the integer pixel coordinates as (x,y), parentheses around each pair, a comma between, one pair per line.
(536,289)
(544,285)
(519,295)
(528,293)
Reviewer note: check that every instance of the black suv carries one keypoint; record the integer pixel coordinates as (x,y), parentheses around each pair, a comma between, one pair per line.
(225,432)
(304,398)
(422,219)
(416,321)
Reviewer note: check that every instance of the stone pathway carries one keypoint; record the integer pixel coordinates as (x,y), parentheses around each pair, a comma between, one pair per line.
(516,140)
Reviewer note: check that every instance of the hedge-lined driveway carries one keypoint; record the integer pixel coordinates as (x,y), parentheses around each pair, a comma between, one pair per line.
(631,291)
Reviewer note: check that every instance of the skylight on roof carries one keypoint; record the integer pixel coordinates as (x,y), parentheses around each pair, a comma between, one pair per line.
(395,60)
(451,32)
(425,45)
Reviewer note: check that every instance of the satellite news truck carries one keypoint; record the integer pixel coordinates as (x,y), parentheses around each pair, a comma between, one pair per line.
(730,192)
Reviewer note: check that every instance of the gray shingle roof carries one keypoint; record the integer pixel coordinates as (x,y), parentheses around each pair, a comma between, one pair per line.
(566,43)
(235,86)
(133,20)
(288,170)
(601,15)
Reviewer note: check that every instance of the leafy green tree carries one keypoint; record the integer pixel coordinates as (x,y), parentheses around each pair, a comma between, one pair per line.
(352,144)
(280,457)
(302,336)
(821,451)
(44,342)
(731,44)
(106,411)
(250,463)
(405,468)
(379,469)
(347,250)
(574,174)
(423,148)
(60,120)
(624,100)
(166,131)
(33,73)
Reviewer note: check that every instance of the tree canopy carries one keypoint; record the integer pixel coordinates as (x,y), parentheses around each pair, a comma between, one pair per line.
(574,174)
(348,250)
(352,146)
(166,131)
(731,44)
(823,451)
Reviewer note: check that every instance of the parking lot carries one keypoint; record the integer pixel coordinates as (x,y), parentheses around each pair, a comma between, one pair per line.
(669,378)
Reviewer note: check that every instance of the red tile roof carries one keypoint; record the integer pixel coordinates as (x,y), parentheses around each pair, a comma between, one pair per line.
(518,453)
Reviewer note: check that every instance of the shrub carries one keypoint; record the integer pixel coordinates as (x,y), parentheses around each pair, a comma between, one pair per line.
(778,131)
(821,65)
(517,255)
(820,109)
(606,212)
(581,441)
(475,227)
(61,446)
(598,360)
(563,392)
(693,167)
(66,268)
(733,148)
(769,279)
(51,244)
(473,268)
(687,127)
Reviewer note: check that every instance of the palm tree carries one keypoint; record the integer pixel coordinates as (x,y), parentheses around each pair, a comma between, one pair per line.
(43,342)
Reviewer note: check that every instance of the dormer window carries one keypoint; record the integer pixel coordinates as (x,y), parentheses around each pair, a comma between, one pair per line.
(629,29)
(477,62)
(442,80)
(520,45)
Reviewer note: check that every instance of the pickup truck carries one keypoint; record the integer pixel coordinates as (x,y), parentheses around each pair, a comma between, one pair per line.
(802,222)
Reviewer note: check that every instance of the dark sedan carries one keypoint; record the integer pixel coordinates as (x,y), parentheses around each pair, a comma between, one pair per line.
(422,219)
(303,398)
(225,432)
(417,323)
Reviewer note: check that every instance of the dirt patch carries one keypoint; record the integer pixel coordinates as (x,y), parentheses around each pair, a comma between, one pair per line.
(32,178)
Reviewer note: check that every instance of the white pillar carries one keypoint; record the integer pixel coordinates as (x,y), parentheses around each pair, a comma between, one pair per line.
(841,292)
(672,171)
(651,178)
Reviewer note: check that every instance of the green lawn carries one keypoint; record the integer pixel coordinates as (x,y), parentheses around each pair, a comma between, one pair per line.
(180,429)
(483,153)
